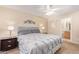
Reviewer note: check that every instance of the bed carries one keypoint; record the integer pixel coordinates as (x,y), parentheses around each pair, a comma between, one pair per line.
(31,41)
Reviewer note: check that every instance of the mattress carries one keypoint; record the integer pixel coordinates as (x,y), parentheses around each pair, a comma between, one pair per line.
(36,43)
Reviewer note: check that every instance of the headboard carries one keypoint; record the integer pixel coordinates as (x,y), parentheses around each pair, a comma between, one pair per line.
(27,28)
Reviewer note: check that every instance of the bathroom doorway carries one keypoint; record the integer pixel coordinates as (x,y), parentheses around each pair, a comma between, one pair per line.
(66,28)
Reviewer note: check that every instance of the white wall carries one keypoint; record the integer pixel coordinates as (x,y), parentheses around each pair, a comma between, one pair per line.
(55,26)
(75,27)
(15,18)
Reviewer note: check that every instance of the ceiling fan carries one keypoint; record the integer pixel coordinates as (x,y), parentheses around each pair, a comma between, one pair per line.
(49,10)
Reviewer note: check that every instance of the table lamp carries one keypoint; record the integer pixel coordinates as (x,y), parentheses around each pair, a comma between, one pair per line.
(10,28)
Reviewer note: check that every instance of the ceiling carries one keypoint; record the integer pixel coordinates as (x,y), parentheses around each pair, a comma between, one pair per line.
(41,10)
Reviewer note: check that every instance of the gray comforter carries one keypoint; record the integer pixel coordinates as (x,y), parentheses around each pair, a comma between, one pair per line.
(37,43)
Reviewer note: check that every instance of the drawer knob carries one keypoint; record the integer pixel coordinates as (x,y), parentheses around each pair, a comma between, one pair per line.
(9,45)
(9,41)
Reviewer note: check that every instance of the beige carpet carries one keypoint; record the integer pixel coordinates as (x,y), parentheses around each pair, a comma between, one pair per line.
(67,48)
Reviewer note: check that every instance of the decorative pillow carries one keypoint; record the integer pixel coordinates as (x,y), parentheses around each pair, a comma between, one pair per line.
(35,30)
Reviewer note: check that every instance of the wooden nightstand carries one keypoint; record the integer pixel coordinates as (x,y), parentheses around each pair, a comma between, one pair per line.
(9,43)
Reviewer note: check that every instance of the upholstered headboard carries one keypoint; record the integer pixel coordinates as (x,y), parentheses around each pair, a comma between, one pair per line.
(28,30)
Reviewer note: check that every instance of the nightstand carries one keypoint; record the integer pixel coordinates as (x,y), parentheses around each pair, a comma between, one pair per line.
(8,43)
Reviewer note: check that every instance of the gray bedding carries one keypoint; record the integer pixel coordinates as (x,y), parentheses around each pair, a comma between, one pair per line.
(36,43)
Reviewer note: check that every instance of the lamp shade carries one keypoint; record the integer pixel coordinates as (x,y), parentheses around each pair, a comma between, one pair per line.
(10,27)
(43,28)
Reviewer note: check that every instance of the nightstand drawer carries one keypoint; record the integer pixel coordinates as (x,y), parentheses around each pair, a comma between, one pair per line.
(8,47)
(4,42)
(8,41)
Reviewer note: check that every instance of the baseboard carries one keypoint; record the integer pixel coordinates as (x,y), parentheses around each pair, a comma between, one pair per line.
(72,41)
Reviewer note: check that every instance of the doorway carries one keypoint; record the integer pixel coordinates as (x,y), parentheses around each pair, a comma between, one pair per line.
(66,28)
